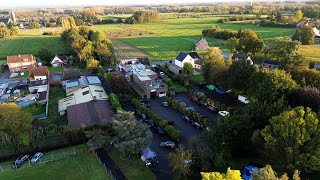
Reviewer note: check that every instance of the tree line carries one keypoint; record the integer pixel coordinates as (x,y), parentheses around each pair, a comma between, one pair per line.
(141,17)
(5,31)
(88,44)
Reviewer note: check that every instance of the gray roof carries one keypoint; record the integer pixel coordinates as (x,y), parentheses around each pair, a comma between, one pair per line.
(271,62)
(93,80)
(181,56)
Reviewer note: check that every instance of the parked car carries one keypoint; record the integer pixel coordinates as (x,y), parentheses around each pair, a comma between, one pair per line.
(197,124)
(147,106)
(183,104)
(188,162)
(224,113)
(36,157)
(191,109)
(164,103)
(243,99)
(143,116)
(160,130)
(19,161)
(201,115)
(212,109)
(200,93)
(162,73)
(188,118)
(169,144)
(149,122)
(194,99)
(149,157)
(178,100)
(203,104)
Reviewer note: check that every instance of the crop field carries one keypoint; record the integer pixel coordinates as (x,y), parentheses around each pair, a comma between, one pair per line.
(31,45)
(126,51)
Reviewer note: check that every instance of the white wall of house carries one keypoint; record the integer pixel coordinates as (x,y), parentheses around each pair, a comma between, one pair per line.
(40,77)
(187,59)
(34,88)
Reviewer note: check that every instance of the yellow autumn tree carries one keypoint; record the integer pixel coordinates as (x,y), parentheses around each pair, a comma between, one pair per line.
(230,175)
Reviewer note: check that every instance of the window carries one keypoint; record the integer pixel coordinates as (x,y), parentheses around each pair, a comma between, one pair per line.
(98,90)
(85,93)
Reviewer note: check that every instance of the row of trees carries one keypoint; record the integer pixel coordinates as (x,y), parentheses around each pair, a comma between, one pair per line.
(268,126)
(217,32)
(144,17)
(87,44)
(6,32)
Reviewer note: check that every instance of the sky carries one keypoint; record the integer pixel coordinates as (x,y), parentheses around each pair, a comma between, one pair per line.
(52,3)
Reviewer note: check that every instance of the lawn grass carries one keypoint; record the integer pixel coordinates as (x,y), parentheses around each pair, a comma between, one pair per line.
(82,166)
(197,78)
(2,62)
(312,53)
(55,69)
(34,112)
(133,168)
(31,45)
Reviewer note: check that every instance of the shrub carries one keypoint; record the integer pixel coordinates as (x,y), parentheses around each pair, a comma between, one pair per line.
(163,123)
(114,100)
(172,132)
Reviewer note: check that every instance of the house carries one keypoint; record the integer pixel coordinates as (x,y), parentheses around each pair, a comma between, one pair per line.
(317,66)
(183,58)
(269,64)
(10,19)
(82,95)
(195,56)
(58,61)
(38,73)
(83,81)
(20,62)
(71,74)
(197,64)
(145,81)
(201,45)
(242,57)
(317,39)
(38,86)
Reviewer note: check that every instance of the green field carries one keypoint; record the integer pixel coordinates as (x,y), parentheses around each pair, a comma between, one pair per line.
(82,166)
(31,45)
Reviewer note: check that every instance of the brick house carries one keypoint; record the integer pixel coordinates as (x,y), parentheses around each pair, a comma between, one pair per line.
(269,64)
(20,62)
(201,45)
(58,61)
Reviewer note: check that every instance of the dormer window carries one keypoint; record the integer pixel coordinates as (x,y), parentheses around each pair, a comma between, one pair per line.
(25,60)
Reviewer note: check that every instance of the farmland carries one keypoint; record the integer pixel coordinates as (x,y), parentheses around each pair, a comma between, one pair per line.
(31,45)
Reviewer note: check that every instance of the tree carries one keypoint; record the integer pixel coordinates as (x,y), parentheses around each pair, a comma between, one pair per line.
(84,31)
(118,83)
(305,35)
(179,161)
(34,25)
(298,15)
(72,23)
(16,123)
(308,97)
(203,153)
(232,44)
(119,20)
(188,69)
(230,175)
(307,77)
(4,31)
(238,76)
(100,136)
(131,135)
(292,140)
(281,48)
(85,51)
(145,17)
(214,67)
(268,173)
(65,23)
(92,64)
(249,42)
(45,55)
(269,86)
(14,31)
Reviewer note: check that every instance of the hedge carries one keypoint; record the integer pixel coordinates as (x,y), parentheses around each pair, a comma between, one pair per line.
(171,130)
(115,103)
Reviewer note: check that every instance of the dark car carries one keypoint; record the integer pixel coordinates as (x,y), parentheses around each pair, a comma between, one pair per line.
(203,104)
(188,118)
(160,130)
(169,144)
(201,115)
(198,125)
(149,122)
(19,161)
(212,109)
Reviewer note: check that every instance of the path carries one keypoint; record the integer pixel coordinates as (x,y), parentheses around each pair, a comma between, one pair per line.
(109,164)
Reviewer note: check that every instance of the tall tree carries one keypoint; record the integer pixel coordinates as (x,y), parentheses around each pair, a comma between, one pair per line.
(281,48)
(268,173)
(298,15)
(249,42)
(269,86)
(214,67)
(100,136)
(308,97)
(292,140)
(305,35)
(45,55)
(230,175)
(131,135)
(16,123)
(181,161)
(188,69)
(72,23)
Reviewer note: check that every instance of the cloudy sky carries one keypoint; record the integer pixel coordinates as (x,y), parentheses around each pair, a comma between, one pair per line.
(48,3)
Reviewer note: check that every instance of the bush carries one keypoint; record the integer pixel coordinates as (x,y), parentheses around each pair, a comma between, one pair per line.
(173,132)
(163,123)
(114,100)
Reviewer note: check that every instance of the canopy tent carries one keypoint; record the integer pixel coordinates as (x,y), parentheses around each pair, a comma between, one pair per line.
(211,87)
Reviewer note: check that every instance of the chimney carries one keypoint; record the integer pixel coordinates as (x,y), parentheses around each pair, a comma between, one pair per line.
(19,55)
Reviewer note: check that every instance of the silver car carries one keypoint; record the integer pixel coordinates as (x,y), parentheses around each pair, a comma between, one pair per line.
(36,157)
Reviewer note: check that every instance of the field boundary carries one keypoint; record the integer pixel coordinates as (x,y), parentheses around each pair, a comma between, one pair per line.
(124,53)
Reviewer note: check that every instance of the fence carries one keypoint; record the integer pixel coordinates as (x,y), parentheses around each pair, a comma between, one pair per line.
(45,159)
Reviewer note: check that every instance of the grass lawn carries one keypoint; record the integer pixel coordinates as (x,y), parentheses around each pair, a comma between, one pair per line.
(198,78)
(56,69)
(3,62)
(55,94)
(82,166)
(312,53)
(36,111)
(31,45)
(134,168)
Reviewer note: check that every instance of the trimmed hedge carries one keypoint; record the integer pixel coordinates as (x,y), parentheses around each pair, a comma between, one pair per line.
(114,100)
(170,130)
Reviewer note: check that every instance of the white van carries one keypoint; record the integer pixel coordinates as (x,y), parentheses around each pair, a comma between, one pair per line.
(243,99)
